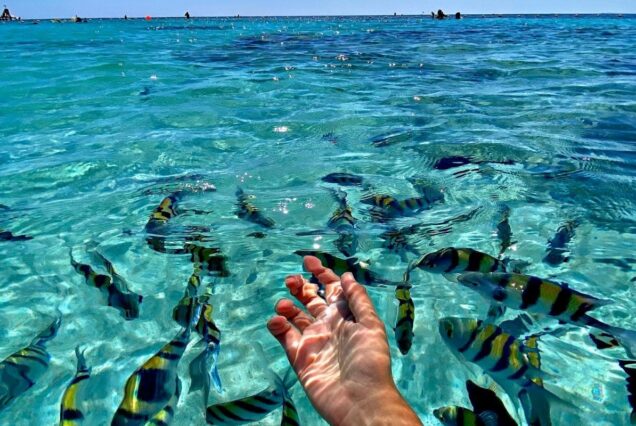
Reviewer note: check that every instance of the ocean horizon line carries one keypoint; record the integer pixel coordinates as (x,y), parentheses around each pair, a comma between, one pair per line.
(487,15)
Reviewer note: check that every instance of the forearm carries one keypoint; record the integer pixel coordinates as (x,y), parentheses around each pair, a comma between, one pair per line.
(384,408)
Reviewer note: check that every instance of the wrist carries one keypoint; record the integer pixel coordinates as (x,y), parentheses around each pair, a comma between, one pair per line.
(382,407)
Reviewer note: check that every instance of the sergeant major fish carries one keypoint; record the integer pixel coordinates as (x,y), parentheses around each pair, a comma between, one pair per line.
(70,411)
(405,318)
(149,389)
(502,357)
(343,222)
(127,303)
(386,207)
(21,370)
(339,266)
(256,407)
(539,296)
(210,258)
(460,416)
(204,368)
(556,252)
(457,260)
(344,179)
(246,210)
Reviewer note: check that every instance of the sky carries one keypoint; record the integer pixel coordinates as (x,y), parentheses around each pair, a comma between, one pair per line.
(117,8)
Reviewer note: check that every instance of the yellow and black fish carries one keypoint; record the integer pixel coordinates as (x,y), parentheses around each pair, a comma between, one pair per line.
(539,296)
(21,370)
(126,302)
(246,210)
(254,408)
(344,224)
(630,369)
(386,207)
(164,212)
(339,266)
(405,318)
(452,260)
(345,179)
(501,356)
(165,416)
(70,410)
(209,258)
(151,387)
(119,294)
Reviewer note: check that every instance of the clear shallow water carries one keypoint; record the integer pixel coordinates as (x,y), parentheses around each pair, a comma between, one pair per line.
(94,115)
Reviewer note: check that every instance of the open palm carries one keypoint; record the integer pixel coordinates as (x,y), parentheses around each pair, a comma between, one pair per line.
(339,349)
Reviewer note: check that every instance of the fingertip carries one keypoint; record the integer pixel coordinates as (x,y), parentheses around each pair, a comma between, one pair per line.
(311,263)
(293,283)
(278,325)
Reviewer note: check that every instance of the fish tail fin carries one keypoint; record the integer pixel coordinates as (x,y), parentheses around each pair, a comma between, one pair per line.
(204,372)
(81,360)
(626,338)
(49,332)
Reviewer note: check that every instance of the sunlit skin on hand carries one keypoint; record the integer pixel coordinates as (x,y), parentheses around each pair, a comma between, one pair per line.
(340,350)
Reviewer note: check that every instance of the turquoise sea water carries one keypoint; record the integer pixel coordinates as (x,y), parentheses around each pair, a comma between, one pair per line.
(100,120)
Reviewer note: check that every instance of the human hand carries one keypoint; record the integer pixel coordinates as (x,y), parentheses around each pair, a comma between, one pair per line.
(340,350)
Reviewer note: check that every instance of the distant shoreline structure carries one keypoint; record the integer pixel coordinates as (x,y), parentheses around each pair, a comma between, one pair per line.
(391,16)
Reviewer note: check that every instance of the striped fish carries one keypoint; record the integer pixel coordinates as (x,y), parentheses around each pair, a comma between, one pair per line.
(246,210)
(343,222)
(209,258)
(339,266)
(149,389)
(21,370)
(459,416)
(387,207)
(344,179)
(539,296)
(164,212)
(501,356)
(9,236)
(256,407)
(427,189)
(119,294)
(452,260)
(126,302)
(70,411)
(556,252)
(629,367)
(165,416)
(405,318)
(397,241)
(203,369)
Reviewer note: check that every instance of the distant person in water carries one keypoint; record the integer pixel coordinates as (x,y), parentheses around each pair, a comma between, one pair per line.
(339,350)
(458,15)
(187,15)
(433,15)
(440,14)
(6,15)
(126,17)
